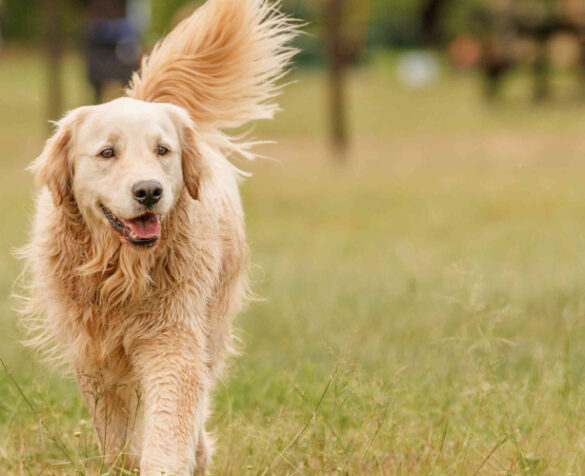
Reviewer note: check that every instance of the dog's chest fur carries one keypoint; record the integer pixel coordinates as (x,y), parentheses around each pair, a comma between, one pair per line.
(104,297)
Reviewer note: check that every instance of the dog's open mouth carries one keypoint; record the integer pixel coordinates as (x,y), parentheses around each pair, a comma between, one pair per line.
(143,230)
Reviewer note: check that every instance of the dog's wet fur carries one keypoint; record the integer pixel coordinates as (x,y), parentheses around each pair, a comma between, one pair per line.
(138,296)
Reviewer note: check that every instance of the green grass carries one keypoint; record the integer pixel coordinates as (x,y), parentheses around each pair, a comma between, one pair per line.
(425,305)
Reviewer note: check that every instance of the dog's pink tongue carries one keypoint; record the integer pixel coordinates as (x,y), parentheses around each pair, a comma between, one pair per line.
(145,226)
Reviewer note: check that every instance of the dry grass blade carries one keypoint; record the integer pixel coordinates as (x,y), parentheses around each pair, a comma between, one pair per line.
(58,442)
(489,455)
(300,433)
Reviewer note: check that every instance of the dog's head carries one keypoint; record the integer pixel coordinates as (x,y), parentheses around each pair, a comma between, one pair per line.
(124,164)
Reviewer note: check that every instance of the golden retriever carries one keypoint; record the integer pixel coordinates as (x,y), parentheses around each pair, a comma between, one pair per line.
(137,261)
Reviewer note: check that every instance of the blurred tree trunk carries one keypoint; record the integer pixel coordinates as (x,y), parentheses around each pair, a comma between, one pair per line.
(431,16)
(54,51)
(541,69)
(337,59)
(346,28)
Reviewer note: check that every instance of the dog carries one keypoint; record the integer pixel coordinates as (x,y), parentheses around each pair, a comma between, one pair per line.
(137,261)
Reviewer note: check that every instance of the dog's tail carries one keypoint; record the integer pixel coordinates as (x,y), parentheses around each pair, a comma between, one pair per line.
(221,63)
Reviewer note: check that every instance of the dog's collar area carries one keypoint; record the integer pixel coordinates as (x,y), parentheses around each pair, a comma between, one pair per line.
(142,231)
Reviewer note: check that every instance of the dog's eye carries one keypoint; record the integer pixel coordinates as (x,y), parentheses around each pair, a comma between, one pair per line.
(108,153)
(162,150)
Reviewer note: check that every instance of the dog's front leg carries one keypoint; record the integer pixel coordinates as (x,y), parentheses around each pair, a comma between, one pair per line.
(173,378)
(114,411)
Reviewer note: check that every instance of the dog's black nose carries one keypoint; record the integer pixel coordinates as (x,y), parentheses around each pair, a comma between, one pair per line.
(147,192)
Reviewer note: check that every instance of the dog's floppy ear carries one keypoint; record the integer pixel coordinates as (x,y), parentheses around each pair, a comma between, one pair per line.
(52,168)
(193,164)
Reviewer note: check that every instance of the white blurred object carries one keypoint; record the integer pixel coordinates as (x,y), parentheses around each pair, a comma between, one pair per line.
(418,69)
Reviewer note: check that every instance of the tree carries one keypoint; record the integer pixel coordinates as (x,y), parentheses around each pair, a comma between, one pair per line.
(345,24)
(337,66)
(54,49)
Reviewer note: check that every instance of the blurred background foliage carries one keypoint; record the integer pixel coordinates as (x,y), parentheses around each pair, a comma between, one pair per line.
(383,22)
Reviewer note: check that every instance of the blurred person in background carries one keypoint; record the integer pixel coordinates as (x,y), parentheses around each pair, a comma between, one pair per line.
(113,40)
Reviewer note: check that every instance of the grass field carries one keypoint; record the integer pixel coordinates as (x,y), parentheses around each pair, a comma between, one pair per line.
(424,306)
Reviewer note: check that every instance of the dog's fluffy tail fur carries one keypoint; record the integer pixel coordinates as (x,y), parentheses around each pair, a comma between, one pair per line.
(221,64)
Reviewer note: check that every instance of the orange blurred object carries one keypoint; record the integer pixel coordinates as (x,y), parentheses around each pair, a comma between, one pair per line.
(464,52)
